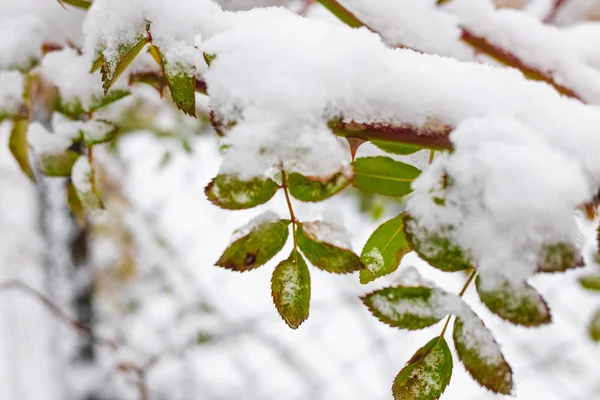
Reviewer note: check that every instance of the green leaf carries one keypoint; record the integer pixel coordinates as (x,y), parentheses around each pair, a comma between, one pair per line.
(435,248)
(384,250)
(427,374)
(481,355)
(209,58)
(407,307)
(520,304)
(290,289)
(58,164)
(81,4)
(75,206)
(384,176)
(324,255)
(315,188)
(19,146)
(591,282)
(232,193)
(126,54)
(83,178)
(112,96)
(256,247)
(559,257)
(396,148)
(182,84)
(595,327)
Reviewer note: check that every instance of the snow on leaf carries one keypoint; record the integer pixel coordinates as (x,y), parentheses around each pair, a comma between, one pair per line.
(290,289)
(559,257)
(591,282)
(257,245)
(19,146)
(481,355)
(182,84)
(126,53)
(427,373)
(519,304)
(82,177)
(97,131)
(316,188)
(320,244)
(435,247)
(409,307)
(384,250)
(232,193)
(383,175)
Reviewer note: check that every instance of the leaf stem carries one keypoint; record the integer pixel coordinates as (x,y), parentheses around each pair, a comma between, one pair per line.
(460,294)
(289,204)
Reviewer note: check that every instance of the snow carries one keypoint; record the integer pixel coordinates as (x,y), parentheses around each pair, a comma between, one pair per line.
(417,24)
(476,337)
(267,217)
(81,176)
(329,229)
(70,72)
(11,92)
(43,141)
(539,45)
(26,33)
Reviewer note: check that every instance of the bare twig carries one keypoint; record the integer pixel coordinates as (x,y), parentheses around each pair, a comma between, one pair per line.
(17,285)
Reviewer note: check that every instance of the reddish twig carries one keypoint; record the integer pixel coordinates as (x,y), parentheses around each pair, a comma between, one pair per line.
(556,6)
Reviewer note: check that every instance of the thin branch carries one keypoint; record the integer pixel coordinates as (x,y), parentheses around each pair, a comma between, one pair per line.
(460,294)
(289,204)
(431,135)
(14,284)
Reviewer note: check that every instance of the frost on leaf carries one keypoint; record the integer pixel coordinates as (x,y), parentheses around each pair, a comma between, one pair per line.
(481,355)
(232,193)
(591,282)
(396,148)
(595,327)
(83,178)
(125,54)
(319,241)
(427,374)
(435,247)
(383,175)
(256,243)
(317,188)
(19,147)
(409,307)
(290,289)
(384,250)
(520,304)
(559,257)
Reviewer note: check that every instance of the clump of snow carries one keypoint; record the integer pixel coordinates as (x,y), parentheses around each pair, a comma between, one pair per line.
(410,276)
(25,35)
(373,260)
(539,45)
(70,72)
(11,92)
(504,183)
(418,24)
(291,281)
(81,176)
(438,305)
(267,217)
(43,141)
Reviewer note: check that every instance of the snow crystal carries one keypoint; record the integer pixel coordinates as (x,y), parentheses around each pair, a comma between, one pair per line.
(266,217)
(11,92)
